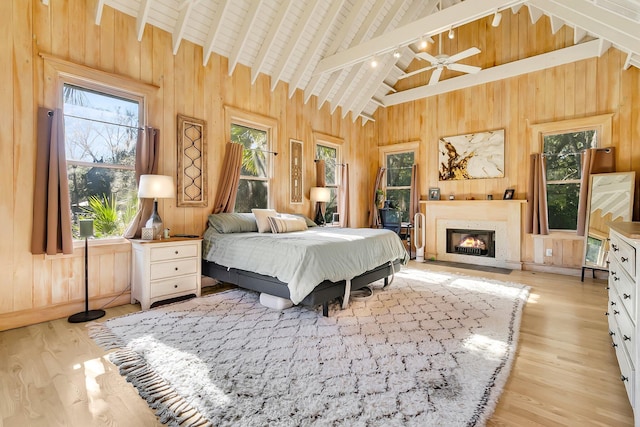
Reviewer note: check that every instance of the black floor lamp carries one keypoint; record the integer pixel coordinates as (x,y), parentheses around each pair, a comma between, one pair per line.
(86,231)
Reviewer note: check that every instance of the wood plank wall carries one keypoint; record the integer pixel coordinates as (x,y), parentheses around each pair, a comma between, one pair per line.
(38,288)
(585,88)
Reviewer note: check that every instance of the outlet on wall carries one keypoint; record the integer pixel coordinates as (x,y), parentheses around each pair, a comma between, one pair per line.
(549,252)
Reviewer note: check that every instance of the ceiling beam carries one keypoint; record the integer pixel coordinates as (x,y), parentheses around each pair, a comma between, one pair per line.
(99,8)
(578,35)
(141,19)
(622,32)
(258,63)
(243,35)
(285,57)
(435,23)
(214,30)
(543,61)
(335,45)
(324,29)
(181,24)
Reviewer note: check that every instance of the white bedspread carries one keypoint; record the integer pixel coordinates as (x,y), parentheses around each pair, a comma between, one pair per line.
(304,259)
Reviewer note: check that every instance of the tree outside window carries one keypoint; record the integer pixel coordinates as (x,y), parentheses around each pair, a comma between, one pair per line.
(253,188)
(101,131)
(330,156)
(564,170)
(398,182)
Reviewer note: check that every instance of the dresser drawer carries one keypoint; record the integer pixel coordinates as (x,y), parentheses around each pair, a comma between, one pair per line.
(164,288)
(172,252)
(173,268)
(627,372)
(624,253)
(621,283)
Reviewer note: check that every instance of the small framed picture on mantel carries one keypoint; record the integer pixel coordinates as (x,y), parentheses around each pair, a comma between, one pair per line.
(434,193)
(508,194)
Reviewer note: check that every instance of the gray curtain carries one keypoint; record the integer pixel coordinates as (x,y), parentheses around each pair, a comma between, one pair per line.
(537,220)
(374,218)
(51,232)
(594,160)
(147,148)
(229,178)
(344,197)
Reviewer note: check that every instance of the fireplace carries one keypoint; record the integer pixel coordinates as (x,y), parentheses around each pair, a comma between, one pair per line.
(481,243)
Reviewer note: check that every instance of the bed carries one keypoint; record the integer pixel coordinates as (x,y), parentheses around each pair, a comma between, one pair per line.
(298,261)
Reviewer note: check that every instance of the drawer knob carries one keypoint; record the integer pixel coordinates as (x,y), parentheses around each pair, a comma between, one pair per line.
(607,288)
(624,259)
(613,303)
(177,252)
(615,247)
(614,345)
(623,378)
(616,278)
(175,286)
(616,312)
(176,268)
(613,273)
(626,296)
(606,313)
(611,333)
(626,338)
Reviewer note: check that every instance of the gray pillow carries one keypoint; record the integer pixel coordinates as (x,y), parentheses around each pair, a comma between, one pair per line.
(226,223)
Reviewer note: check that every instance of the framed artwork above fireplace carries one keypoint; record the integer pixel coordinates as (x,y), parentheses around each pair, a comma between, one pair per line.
(472,156)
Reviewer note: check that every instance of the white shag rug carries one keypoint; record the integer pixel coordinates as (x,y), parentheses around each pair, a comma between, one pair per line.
(433,349)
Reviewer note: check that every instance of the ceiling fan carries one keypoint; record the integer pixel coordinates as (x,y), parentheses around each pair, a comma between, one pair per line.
(442,61)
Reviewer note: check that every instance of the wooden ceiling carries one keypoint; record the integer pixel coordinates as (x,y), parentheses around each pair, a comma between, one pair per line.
(325,48)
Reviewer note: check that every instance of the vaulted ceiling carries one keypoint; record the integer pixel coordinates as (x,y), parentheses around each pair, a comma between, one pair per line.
(325,47)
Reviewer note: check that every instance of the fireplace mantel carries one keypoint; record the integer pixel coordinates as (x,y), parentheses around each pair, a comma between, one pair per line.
(503,216)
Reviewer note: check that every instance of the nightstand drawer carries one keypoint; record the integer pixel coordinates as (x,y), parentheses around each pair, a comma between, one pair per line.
(164,288)
(163,270)
(173,252)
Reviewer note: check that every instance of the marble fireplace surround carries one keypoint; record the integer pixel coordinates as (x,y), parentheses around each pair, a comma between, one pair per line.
(502,216)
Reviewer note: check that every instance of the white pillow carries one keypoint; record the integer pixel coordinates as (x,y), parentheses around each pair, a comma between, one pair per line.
(262,220)
(286,225)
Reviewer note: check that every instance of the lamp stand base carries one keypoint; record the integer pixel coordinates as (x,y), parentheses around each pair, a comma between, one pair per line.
(319,217)
(85,316)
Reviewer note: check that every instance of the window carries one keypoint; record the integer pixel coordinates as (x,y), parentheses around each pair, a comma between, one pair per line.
(561,142)
(253,188)
(101,131)
(564,170)
(330,154)
(398,182)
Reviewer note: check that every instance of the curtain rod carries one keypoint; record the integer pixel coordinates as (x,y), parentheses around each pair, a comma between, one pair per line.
(337,164)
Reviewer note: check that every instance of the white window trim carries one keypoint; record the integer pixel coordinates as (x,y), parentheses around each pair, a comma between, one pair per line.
(400,148)
(233,115)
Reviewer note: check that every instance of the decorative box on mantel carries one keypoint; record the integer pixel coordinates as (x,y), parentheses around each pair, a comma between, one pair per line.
(500,219)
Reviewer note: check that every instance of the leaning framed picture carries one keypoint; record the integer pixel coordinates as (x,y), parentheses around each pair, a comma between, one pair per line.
(434,193)
(508,194)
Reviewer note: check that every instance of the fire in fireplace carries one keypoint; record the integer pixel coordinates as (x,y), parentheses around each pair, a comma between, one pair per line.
(471,242)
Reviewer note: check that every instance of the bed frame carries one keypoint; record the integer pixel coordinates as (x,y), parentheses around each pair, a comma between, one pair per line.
(322,294)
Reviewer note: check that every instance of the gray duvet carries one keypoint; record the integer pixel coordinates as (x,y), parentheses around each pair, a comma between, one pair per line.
(304,259)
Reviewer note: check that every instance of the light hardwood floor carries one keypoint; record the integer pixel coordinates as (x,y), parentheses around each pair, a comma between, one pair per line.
(565,373)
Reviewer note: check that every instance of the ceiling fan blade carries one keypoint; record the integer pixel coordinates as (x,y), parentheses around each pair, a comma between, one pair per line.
(435,76)
(427,57)
(413,73)
(464,68)
(464,54)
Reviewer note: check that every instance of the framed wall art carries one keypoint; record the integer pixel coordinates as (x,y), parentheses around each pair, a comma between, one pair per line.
(295,171)
(472,156)
(192,162)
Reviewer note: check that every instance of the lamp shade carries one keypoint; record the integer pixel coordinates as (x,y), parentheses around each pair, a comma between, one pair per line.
(156,187)
(320,194)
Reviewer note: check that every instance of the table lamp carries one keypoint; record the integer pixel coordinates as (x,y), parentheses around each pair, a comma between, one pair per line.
(155,187)
(320,195)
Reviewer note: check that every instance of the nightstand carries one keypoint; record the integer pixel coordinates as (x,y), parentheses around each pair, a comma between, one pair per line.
(163,269)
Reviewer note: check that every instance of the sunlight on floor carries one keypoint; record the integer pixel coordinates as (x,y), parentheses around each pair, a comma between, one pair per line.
(490,348)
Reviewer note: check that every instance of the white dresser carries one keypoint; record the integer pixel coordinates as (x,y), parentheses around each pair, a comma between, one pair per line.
(622,311)
(163,269)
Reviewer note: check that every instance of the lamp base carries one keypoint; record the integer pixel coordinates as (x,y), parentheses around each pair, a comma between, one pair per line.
(155,221)
(85,316)
(319,217)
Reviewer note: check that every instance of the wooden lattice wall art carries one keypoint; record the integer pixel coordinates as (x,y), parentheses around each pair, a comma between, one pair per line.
(295,168)
(192,161)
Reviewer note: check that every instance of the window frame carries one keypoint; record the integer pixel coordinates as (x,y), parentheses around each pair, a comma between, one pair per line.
(336,143)
(260,122)
(58,71)
(398,148)
(602,124)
